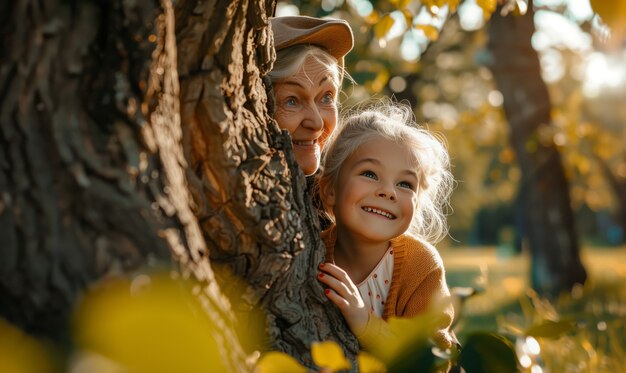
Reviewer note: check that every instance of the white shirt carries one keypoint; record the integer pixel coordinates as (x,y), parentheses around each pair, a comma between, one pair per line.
(375,288)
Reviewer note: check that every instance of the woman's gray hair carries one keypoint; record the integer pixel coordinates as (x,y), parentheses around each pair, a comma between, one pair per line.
(290,60)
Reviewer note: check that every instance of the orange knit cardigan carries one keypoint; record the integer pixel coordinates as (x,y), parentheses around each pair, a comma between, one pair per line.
(418,279)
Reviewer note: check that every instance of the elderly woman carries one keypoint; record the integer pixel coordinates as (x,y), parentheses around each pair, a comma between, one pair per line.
(306,79)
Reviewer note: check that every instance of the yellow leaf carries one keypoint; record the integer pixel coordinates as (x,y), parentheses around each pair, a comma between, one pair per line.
(453,5)
(383,26)
(369,364)
(408,16)
(372,18)
(401,4)
(278,362)
(329,355)
(488,7)
(380,81)
(433,6)
(148,325)
(20,353)
(521,7)
(408,333)
(431,32)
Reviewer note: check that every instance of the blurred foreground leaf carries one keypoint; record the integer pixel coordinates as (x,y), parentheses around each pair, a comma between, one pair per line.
(279,362)
(328,354)
(151,324)
(488,353)
(550,329)
(409,347)
(407,334)
(383,26)
(417,358)
(21,353)
(370,364)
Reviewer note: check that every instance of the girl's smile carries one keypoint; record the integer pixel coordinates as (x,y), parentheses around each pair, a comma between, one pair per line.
(375,196)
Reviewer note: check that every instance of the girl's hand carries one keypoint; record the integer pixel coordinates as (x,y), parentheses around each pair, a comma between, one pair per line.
(345,295)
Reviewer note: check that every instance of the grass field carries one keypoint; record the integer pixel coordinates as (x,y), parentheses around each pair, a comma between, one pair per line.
(505,305)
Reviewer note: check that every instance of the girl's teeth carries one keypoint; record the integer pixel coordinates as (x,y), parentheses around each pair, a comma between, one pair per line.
(379,212)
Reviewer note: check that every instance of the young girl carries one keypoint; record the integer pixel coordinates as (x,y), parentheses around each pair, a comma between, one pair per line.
(384,185)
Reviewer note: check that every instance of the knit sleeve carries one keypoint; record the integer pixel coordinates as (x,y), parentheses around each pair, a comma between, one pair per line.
(433,292)
(375,330)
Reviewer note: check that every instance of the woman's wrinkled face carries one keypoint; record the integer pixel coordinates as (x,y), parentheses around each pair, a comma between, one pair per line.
(306,106)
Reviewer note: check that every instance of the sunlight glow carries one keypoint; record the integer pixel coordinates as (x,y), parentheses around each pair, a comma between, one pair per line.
(283,9)
(552,66)
(525,361)
(471,16)
(495,98)
(425,18)
(330,5)
(410,47)
(580,10)
(362,7)
(550,3)
(556,31)
(602,72)
(397,84)
(399,26)
(532,346)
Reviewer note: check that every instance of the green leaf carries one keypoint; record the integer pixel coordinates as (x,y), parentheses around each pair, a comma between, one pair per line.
(550,329)
(417,358)
(488,353)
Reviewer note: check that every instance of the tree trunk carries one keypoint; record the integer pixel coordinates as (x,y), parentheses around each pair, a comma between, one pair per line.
(108,166)
(251,198)
(549,221)
(618,184)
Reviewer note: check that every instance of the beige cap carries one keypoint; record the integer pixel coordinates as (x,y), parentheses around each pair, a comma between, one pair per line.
(333,35)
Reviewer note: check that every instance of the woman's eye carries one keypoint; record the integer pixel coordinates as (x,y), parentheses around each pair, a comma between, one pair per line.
(369,174)
(291,102)
(405,184)
(328,98)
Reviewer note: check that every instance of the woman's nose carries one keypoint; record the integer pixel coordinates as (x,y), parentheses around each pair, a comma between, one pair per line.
(313,118)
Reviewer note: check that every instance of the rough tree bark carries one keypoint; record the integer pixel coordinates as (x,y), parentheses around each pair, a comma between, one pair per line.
(549,221)
(100,162)
(251,198)
(91,173)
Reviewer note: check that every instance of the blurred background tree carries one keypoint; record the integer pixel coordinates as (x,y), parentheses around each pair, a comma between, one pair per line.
(437,55)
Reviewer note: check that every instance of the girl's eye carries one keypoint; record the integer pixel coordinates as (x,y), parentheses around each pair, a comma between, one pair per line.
(369,174)
(406,184)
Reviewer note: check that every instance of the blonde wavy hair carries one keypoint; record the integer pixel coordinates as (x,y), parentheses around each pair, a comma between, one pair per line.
(394,122)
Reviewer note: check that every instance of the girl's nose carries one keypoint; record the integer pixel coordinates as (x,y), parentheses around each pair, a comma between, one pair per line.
(385,192)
